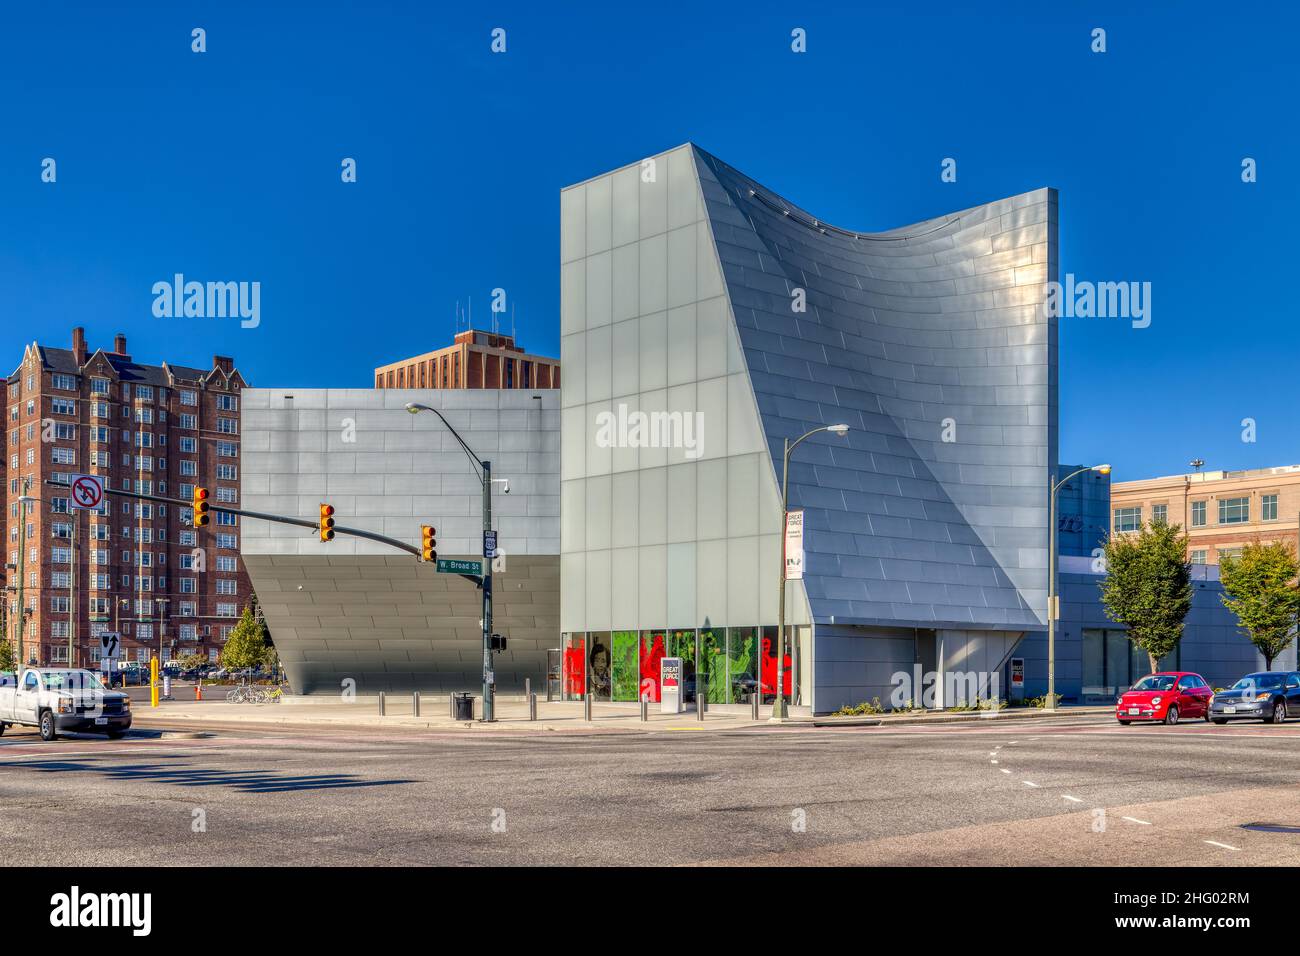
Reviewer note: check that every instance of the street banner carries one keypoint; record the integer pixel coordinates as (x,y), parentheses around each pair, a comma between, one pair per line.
(794,545)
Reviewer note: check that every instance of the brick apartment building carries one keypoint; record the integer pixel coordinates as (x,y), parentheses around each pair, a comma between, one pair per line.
(156,429)
(475,360)
(1221,511)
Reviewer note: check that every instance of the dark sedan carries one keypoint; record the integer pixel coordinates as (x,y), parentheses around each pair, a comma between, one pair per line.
(1269,696)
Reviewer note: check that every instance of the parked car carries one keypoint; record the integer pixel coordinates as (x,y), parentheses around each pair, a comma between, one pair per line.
(1167,696)
(1269,696)
(61,700)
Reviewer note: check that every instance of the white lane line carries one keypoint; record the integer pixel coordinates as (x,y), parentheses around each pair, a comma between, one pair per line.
(994,762)
(1029,783)
(1224,845)
(1071,799)
(1145,823)
(1005,770)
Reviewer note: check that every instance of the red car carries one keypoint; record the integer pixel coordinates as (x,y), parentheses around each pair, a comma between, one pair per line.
(1167,696)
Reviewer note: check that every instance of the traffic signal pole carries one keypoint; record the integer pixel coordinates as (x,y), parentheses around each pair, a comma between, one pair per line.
(489,680)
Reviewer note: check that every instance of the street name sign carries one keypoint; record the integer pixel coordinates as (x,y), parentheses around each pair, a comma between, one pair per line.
(450,566)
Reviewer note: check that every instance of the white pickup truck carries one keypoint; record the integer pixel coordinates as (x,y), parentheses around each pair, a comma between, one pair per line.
(62,700)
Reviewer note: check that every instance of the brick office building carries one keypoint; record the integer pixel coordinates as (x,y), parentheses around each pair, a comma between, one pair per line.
(156,429)
(475,360)
(1221,511)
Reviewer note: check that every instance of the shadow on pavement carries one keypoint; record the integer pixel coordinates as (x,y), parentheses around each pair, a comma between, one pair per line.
(245,781)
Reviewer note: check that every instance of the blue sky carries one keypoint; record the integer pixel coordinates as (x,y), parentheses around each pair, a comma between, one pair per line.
(225,166)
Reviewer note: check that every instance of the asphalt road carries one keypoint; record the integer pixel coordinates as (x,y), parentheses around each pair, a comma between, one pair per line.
(1075,792)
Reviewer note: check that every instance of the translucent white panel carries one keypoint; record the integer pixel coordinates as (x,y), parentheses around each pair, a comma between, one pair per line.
(600,290)
(653,404)
(573,591)
(742,495)
(653,593)
(743,582)
(627,452)
(711,422)
(573,515)
(626,362)
(573,224)
(653,276)
(683,188)
(598,597)
(573,442)
(681,503)
(653,196)
(652,523)
(769,564)
(599,502)
(599,423)
(681,344)
(711,583)
(654,351)
(744,435)
(711,321)
(769,496)
(626,284)
(708,273)
(711,498)
(681,585)
(573,359)
(625,205)
(681,433)
(625,511)
(624,585)
(681,266)
(600,371)
(573,297)
(598,215)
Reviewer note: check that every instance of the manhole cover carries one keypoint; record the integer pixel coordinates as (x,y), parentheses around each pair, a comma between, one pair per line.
(1271,827)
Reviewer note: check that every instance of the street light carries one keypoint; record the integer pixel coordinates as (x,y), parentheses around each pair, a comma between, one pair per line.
(778,708)
(1051,581)
(485,477)
(25,500)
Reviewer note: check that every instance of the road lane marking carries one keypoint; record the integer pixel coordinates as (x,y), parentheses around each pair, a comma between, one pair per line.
(1071,799)
(1029,783)
(1224,845)
(1145,823)
(993,762)
(1006,771)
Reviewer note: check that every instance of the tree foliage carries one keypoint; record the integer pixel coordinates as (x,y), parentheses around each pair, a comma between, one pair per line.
(1260,588)
(7,657)
(1148,587)
(247,645)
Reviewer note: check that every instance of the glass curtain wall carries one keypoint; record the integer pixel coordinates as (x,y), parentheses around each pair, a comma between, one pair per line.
(600,677)
(626,665)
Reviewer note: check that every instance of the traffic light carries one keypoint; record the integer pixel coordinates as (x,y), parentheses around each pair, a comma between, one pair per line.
(428,542)
(326,526)
(200,505)
(499,642)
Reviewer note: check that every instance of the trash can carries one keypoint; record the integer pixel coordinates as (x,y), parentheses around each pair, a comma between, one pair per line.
(464,707)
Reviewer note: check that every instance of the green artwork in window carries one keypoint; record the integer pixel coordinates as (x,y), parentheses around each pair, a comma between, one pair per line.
(713,663)
(627,665)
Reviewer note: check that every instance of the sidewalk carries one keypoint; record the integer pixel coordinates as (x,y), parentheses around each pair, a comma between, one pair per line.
(512,715)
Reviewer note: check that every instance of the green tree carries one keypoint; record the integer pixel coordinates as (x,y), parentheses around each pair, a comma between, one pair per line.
(246,646)
(1260,588)
(7,658)
(193,660)
(1148,587)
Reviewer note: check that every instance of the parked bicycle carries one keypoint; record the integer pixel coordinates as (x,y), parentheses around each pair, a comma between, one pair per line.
(252,694)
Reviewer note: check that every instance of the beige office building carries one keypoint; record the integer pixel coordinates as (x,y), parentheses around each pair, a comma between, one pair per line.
(1222,511)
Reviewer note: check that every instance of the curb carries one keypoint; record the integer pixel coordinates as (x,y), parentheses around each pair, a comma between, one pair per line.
(947,718)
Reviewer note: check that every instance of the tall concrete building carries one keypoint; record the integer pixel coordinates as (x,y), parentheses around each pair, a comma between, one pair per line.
(476,359)
(130,566)
(705,320)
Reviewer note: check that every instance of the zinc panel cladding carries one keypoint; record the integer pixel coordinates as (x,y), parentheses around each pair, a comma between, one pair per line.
(931,342)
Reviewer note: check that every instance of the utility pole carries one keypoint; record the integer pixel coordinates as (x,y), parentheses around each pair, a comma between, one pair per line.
(489,679)
(23,499)
(72,589)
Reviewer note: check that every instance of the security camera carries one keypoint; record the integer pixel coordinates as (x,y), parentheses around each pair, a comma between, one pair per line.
(506,487)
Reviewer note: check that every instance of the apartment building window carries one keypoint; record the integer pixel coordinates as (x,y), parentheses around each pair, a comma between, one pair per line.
(144,393)
(228,541)
(190,633)
(66,383)
(144,416)
(189,421)
(190,469)
(99,582)
(228,610)
(226,586)
(227,495)
(227,403)
(226,518)
(191,445)
(228,426)
(1127,519)
(59,632)
(226,563)
(1268,507)
(65,431)
(59,605)
(144,583)
(60,555)
(99,386)
(99,605)
(144,439)
(227,473)
(187,540)
(1198,514)
(227,449)
(189,586)
(189,398)
(63,456)
(144,632)
(63,406)
(59,506)
(60,579)
(1232,553)
(99,434)
(61,529)
(99,459)
(187,609)
(1234,510)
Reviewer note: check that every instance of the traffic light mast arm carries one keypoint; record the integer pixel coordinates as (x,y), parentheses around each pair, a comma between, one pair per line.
(261,516)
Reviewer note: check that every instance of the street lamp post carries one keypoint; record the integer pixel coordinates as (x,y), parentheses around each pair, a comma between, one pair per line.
(778,707)
(25,500)
(485,476)
(1051,580)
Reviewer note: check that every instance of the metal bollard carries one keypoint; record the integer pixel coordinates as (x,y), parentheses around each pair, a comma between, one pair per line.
(451,709)
(381,703)
(586,707)
(532,706)
(645,710)
(753,700)
(415,703)
(528,687)
(699,706)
